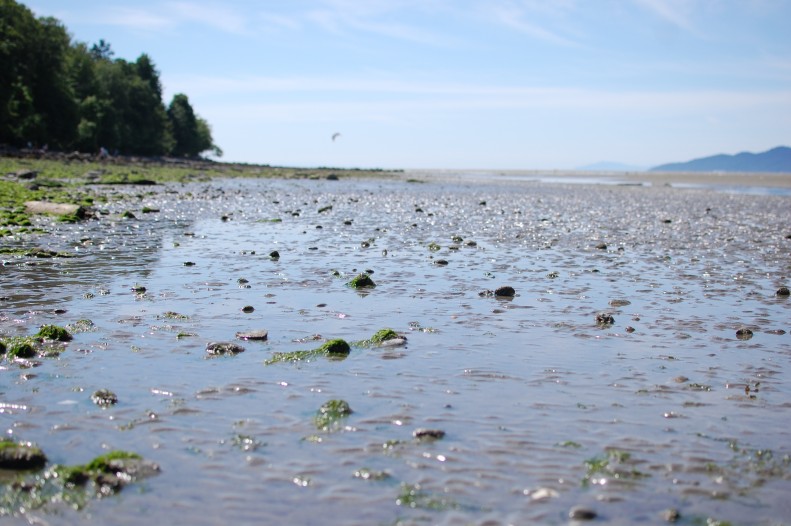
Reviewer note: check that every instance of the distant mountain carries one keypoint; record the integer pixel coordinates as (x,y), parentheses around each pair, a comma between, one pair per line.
(775,160)
(607,166)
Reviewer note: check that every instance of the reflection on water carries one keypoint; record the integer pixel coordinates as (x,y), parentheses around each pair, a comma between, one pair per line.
(543,409)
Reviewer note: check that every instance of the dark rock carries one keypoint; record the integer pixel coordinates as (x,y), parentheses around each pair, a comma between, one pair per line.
(428,434)
(604,318)
(783,291)
(217,348)
(248,309)
(744,333)
(505,292)
(20,455)
(104,398)
(580,513)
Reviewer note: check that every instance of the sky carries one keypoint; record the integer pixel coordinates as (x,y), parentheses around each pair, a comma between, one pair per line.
(462,84)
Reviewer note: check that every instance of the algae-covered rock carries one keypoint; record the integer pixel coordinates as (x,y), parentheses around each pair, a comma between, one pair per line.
(109,473)
(20,348)
(383,335)
(336,347)
(361,281)
(20,455)
(53,332)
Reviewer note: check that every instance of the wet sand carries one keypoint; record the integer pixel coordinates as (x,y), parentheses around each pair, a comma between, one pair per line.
(615,380)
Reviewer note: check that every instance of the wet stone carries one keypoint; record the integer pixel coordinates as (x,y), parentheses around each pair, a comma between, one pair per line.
(604,318)
(217,348)
(783,292)
(260,335)
(104,398)
(428,434)
(248,309)
(580,513)
(744,333)
(671,515)
(20,455)
(505,292)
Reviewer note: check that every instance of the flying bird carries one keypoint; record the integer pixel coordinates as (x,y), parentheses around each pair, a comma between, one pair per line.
(335,136)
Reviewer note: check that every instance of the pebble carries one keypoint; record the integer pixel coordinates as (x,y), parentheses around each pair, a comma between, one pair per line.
(604,318)
(248,309)
(505,292)
(744,333)
(428,434)
(104,397)
(217,348)
(253,335)
(580,513)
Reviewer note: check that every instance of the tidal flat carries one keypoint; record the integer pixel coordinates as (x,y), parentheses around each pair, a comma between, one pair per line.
(555,353)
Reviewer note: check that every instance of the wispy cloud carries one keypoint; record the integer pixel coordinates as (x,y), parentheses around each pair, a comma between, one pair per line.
(674,12)
(515,17)
(217,16)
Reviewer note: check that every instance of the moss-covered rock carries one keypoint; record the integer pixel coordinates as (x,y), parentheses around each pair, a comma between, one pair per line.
(20,455)
(20,347)
(53,332)
(361,281)
(104,398)
(336,347)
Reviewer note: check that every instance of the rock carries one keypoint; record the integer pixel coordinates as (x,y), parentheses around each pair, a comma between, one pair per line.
(20,455)
(671,515)
(783,291)
(580,513)
(505,292)
(217,348)
(260,335)
(428,434)
(361,281)
(602,246)
(248,309)
(744,333)
(57,209)
(26,174)
(104,398)
(604,318)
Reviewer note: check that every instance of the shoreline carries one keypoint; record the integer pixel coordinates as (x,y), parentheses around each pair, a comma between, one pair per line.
(655,179)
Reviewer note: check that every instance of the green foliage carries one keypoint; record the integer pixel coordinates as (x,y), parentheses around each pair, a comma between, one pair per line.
(67,95)
(191,134)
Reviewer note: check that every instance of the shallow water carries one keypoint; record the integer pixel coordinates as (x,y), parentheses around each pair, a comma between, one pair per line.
(527,390)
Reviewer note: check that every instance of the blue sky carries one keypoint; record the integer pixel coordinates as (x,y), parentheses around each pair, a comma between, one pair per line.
(499,84)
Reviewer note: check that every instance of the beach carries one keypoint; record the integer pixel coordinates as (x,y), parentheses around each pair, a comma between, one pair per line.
(636,371)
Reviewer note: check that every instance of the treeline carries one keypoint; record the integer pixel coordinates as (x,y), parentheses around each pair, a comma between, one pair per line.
(69,96)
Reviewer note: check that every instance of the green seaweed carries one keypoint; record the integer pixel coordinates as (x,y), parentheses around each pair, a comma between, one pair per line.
(330,414)
(615,464)
(74,486)
(53,332)
(20,347)
(361,281)
(336,349)
(412,496)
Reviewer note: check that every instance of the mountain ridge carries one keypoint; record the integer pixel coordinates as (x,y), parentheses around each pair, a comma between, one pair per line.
(775,160)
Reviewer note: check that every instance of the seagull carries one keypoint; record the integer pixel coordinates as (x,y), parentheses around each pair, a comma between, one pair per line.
(335,136)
